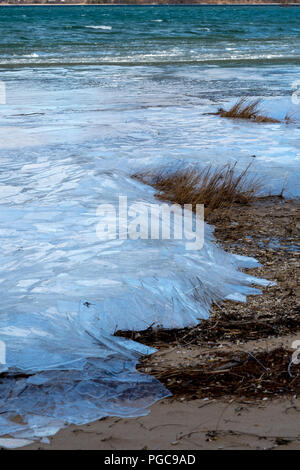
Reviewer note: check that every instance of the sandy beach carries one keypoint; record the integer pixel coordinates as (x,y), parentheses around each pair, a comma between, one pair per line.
(191,425)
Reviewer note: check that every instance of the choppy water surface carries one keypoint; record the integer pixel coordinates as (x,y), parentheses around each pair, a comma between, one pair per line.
(94,94)
(110,81)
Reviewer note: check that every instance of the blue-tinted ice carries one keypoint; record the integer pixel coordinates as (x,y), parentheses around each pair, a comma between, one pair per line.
(65,292)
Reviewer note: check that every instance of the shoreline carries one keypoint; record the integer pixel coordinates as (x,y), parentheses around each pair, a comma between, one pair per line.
(189,425)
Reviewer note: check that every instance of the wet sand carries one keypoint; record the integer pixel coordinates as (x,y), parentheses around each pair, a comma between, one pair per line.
(191,425)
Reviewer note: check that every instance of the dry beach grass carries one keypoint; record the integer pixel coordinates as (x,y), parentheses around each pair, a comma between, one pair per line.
(251,109)
(216,188)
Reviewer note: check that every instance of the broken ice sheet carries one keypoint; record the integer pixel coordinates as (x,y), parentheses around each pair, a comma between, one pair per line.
(65,293)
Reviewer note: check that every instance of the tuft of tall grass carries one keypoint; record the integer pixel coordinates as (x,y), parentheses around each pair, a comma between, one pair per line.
(246,108)
(216,188)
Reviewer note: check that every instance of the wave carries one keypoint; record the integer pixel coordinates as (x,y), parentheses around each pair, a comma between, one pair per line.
(33,54)
(103,27)
(151,60)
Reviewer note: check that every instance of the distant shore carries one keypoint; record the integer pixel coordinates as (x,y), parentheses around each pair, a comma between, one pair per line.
(158,3)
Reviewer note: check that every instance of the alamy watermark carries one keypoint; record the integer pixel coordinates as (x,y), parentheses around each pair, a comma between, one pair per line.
(140,220)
